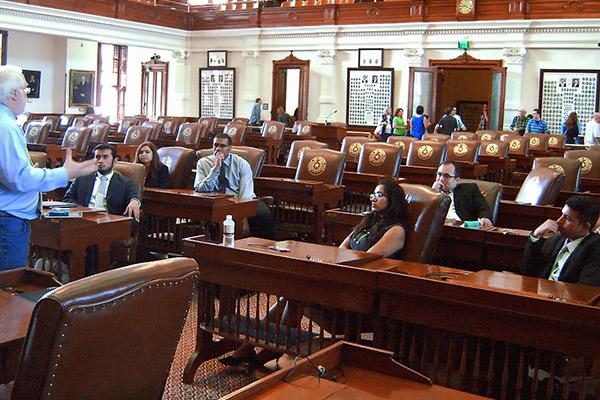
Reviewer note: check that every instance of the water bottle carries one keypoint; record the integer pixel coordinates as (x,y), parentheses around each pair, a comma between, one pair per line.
(228,231)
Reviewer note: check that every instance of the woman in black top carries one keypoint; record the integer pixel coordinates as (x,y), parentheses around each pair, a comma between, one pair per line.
(382,230)
(157,173)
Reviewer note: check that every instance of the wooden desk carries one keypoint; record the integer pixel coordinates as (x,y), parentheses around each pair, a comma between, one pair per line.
(360,372)
(330,134)
(278,171)
(525,216)
(500,169)
(74,235)
(169,215)
(269,144)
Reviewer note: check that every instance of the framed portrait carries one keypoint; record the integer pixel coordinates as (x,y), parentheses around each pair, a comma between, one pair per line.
(217,92)
(81,87)
(368,58)
(3,46)
(217,58)
(33,82)
(368,93)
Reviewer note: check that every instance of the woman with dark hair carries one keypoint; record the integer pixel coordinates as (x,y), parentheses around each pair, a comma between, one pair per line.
(284,117)
(382,231)
(157,173)
(570,128)
(418,123)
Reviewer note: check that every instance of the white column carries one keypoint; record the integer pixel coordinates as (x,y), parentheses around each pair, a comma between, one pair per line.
(513,95)
(251,85)
(329,87)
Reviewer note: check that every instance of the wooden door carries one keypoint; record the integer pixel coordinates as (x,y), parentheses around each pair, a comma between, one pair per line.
(423,85)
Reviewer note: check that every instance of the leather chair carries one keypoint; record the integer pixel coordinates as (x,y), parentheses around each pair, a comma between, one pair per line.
(127,122)
(493,148)
(427,214)
(272,129)
(191,133)
(302,128)
(77,138)
(236,132)
(170,125)
(210,122)
(156,127)
(300,145)
(137,135)
(108,336)
(352,146)
(380,159)
(65,121)
(98,133)
(589,160)
(135,172)
(518,145)
(53,120)
(240,120)
(568,167)
(98,118)
(594,147)
(321,165)
(506,136)
(37,132)
(487,135)
(423,153)
(402,141)
(255,157)
(537,141)
(80,122)
(38,159)
(179,161)
(458,135)
(491,192)
(556,141)
(462,150)
(541,187)
(436,137)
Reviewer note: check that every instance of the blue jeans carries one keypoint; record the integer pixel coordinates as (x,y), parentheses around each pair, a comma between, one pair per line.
(14,242)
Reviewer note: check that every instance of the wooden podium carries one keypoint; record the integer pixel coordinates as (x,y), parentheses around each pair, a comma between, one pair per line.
(331,134)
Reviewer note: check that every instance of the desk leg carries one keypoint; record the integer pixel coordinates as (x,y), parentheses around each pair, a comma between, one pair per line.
(77,267)
(103,258)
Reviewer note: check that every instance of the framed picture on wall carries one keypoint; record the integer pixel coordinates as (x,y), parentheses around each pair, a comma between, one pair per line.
(368,93)
(217,92)
(217,58)
(81,87)
(33,82)
(3,39)
(370,58)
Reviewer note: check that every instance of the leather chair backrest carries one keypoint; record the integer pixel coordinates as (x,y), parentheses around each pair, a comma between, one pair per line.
(462,150)
(303,128)
(272,129)
(38,159)
(352,146)
(518,145)
(322,165)
(254,156)
(589,160)
(66,120)
(77,138)
(179,161)
(427,214)
(36,132)
(170,125)
(436,137)
(458,135)
(537,141)
(156,127)
(99,133)
(100,337)
(191,133)
(487,135)
(401,141)
(556,141)
(493,148)
(52,120)
(594,147)
(568,167)
(210,122)
(491,192)
(240,120)
(98,118)
(135,172)
(127,122)
(298,146)
(422,153)
(505,136)
(379,158)
(80,122)
(541,187)
(137,135)
(236,132)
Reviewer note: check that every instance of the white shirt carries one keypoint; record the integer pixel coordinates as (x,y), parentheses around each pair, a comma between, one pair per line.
(592,131)
(458,119)
(98,200)
(452,210)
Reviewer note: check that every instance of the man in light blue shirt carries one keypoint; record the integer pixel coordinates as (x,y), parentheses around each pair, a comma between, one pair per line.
(255,114)
(20,182)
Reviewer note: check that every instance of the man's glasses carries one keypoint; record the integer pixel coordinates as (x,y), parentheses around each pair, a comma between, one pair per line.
(376,196)
(444,175)
(221,145)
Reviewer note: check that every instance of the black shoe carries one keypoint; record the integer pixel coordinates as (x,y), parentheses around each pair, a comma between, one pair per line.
(231,361)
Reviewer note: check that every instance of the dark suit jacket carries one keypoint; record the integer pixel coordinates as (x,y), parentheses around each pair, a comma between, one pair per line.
(582,266)
(118,195)
(159,180)
(469,203)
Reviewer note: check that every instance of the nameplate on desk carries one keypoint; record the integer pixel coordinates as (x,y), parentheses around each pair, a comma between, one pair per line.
(62,213)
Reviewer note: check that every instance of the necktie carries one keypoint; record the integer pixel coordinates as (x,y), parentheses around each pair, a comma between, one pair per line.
(222,179)
(560,260)
(102,187)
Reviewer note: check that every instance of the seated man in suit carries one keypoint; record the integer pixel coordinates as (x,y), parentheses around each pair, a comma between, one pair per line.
(229,173)
(566,250)
(467,202)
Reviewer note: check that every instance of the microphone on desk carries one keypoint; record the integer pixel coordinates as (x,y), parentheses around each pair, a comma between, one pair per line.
(326,122)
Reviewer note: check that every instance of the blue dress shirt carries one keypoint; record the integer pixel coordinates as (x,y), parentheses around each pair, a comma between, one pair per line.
(240,182)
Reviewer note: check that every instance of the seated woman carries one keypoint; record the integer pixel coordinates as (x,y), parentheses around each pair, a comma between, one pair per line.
(382,230)
(284,117)
(157,173)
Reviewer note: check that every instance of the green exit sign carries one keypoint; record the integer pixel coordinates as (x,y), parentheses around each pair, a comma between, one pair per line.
(463,44)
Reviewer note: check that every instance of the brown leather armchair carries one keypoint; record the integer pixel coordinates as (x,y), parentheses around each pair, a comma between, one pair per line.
(506,136)
(427,214)
(38,159)
(491,192)
(210,122)
(98,133)
(191,133)
(255,157)
(98,119)
(321,165)
(300,145)
(108,336)
(272,129)
(53,120)
(37,132)
(137,135)
(135,172)
(458,135)
(541,187)
(589,160)
(402,141)
(518,145)
(379,158)
(436,137)
(487,135)
(65,121)
(170,125)
(77,138)
(302,128)
(594,147)
(236,132)
(80,122)
(352,146)
(240,120)
(462,150)
(423,153)
(568,167)
(180,161)
(156,127)
(127,122)
(537,141)
(493,148)
(556,141)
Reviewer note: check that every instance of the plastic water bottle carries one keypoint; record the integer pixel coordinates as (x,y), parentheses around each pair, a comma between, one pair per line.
(228,231)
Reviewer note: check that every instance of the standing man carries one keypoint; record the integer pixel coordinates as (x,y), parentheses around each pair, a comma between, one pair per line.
(20,182)
(519,122)
(447,124)
(255,114)
(459,121)
(537,124)
(592,130)
(385,125)
(566,250)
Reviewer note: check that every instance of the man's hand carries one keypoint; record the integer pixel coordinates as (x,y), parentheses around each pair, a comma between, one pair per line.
(218,161)
(76,169)
(547,229)
(133,209)
(437,185)
(485,223)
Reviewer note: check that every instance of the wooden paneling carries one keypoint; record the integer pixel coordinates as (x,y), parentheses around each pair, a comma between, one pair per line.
(105,8)
(152,15)
(211,18)
(296,16)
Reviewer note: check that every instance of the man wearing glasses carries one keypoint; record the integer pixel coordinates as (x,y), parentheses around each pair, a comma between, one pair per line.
(229,173)
(20,182)
(467,202)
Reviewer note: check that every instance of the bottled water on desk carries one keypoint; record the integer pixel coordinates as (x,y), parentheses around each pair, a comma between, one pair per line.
(228,231)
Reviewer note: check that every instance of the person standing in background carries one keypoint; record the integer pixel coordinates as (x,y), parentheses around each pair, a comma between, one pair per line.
(484,121)
(255,113)
(571,128)
(418,123)
(459,121)
(592,130)
(519,122)
(398,123)
(384,128)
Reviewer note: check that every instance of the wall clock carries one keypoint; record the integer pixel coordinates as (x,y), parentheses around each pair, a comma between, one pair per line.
(465,9)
